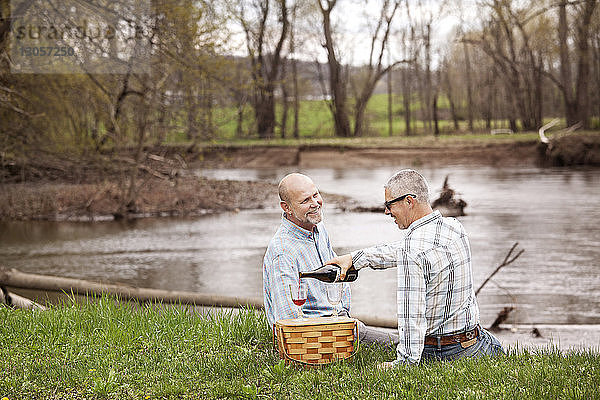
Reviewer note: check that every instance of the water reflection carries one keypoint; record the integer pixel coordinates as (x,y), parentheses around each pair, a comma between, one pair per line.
(552,213)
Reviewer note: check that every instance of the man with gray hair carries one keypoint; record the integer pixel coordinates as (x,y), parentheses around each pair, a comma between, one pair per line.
(301,244)
(438,315)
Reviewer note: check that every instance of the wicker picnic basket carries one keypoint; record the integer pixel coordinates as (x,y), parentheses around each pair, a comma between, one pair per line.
(315,341)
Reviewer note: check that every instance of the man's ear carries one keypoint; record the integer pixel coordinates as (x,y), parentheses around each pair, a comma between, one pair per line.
(285,207)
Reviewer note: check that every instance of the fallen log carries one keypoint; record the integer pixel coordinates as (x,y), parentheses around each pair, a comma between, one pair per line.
(15,301)
(17,279)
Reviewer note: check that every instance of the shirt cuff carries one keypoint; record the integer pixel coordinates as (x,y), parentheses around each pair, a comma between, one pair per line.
(358,259)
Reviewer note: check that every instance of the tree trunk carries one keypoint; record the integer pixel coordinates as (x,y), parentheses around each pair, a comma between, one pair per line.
(265,113)
(436,126)
(359,116)
(450,93)
(583,68)
(565,65)
(406,97)
(239,97)
(264,75)
(469,86)
(284,100)
(128,204)
(490,99)
(296,100)
(192,113)
(239,131)
(390,100)
(296,132)
(337,78)
(428,79)
(17,279)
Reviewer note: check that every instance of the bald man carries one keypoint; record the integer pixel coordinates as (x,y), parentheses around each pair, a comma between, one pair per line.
(302,244)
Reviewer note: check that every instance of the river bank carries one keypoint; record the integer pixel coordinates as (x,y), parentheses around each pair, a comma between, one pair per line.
(169,184)
(90,195)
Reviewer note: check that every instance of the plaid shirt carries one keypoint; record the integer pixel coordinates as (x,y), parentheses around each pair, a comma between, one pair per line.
(435,293)
(293,250)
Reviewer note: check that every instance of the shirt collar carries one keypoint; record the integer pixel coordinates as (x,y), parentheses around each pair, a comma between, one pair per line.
(424,220)
(297,231)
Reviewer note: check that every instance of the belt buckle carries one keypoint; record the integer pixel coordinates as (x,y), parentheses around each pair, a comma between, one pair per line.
(471,334)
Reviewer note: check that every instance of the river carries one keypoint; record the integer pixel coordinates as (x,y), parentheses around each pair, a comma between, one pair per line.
(552,213)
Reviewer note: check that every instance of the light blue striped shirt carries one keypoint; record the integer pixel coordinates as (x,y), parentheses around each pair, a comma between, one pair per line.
(435,294)
(293,250)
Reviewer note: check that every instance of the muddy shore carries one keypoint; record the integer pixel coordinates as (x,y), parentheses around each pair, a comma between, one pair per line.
(88,195)
(504,154)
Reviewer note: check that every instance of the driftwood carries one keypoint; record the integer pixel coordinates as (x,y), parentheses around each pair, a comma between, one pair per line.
(15,301)
(502,316)
(17,279)
(447,204)
(507,261)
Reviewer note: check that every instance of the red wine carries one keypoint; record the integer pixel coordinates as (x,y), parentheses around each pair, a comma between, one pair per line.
(329,273)
(299,302)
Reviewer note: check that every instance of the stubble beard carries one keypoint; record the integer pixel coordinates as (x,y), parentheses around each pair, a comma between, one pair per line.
(310,217)
(316,217)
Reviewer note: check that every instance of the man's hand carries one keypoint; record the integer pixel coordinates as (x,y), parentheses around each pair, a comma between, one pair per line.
(345,262)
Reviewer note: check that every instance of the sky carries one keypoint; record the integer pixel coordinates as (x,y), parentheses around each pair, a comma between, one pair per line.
(351,19)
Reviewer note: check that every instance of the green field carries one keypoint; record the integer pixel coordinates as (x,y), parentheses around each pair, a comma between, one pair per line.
(315,121)
(107,351)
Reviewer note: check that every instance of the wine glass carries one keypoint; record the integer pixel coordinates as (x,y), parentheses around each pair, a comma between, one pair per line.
(334,293)
(299,295)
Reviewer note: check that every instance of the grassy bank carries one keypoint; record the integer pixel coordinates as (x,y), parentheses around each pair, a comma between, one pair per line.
(416,141)
(104,350)
(315,120)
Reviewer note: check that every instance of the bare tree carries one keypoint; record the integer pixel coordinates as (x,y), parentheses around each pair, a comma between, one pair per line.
(576,96)
(266,61)
(337,78)
(469,83)
(295,87)
(506,41)
(448,85)
(375,69)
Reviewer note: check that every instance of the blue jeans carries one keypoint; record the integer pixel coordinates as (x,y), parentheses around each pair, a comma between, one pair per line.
(485,344)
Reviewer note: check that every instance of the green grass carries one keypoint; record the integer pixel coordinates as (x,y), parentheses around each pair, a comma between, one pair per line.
(315,120)
(102,350)
(418,141)
(316,124)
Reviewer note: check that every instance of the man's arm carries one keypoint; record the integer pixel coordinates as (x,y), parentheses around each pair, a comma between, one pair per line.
(377,257)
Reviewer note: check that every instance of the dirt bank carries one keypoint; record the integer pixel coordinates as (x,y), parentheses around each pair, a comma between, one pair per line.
(518,153)
(186,196)
(82,192)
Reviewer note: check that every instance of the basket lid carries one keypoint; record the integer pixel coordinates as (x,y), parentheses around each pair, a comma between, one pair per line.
(314,321)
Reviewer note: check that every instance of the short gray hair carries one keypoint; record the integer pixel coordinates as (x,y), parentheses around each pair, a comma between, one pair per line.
(408,181)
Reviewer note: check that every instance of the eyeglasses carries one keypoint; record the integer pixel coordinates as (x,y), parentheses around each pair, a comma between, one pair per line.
(389,203)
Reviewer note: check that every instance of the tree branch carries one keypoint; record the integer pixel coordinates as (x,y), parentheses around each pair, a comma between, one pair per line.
(507,261)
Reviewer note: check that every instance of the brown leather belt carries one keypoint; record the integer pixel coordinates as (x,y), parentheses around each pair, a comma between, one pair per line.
(452,339)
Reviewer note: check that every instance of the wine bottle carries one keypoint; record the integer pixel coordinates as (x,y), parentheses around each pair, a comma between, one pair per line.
(329,273)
